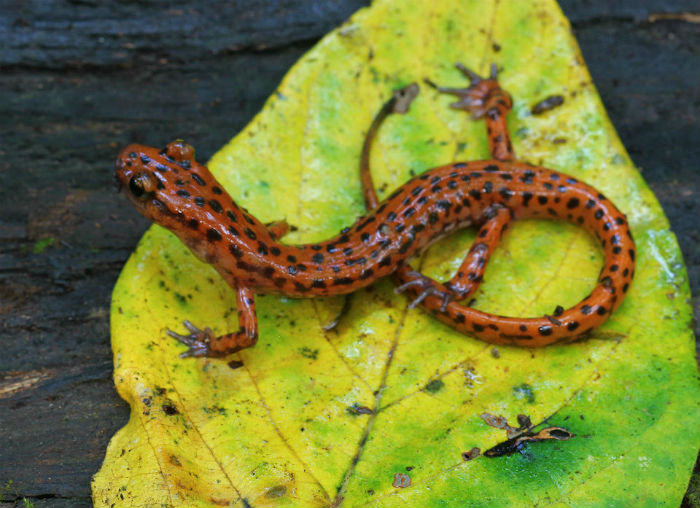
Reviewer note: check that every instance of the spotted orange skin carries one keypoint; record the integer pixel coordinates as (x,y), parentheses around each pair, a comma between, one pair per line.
(172,189)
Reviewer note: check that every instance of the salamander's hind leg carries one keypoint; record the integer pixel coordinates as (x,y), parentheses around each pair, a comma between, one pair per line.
(470,274)
(484,97)
(204,343)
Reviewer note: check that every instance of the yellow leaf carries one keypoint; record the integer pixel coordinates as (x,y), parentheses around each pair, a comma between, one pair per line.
(379,410)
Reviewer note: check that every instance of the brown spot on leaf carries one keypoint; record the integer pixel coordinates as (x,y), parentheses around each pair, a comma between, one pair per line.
(401,481)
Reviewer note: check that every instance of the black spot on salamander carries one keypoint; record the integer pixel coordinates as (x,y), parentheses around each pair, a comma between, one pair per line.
(250,233)
(545,330)
(235,250)
(233,231)
(465,178)
(617,249)
(491,168)
(572,181)
(478,327)
(359,228)
(291,259)
(416,191)
(198,179)
(548,186)
(528,176)
(347,251)
(433,217)
(475,194)
(366,274)
(562,188)
(216,190)
(572,326)
(452,184)
(408,213)
(193,224)
(599,213)
(342,281)
(292,270)
(523,328)
(606,227)
(615,239)
(268,271)
(300,287)
(542,200)
(199,201)
(475,174)
(183,193)
(527,196)
(443,204)
(586,310)
(215,205)
(435,179)
(317,258)
(365,237)
(318,283)
(631,253)
(386,261)
(275,251)
(231,216)
(506,193)
(435,189)
(488,186)
(590,204)
(601,311)
(279,281)
(405,246)
(262,249)
(391,216)
(572,203)
(399,228)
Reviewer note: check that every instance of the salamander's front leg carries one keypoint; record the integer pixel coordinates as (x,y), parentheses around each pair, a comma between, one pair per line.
(204,343)
(484,97)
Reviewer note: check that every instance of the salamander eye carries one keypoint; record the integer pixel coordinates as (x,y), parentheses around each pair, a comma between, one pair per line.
(140,184)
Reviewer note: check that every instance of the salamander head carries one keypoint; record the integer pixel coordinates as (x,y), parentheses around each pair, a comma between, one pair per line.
(162,184)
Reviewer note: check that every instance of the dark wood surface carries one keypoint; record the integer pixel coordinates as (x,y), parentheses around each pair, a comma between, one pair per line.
(80,79)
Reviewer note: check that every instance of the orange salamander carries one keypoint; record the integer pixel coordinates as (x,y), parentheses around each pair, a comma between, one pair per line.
(170,188)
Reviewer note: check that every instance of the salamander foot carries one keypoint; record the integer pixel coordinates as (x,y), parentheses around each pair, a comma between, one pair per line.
(198,341)
(425,287)
(482,95)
